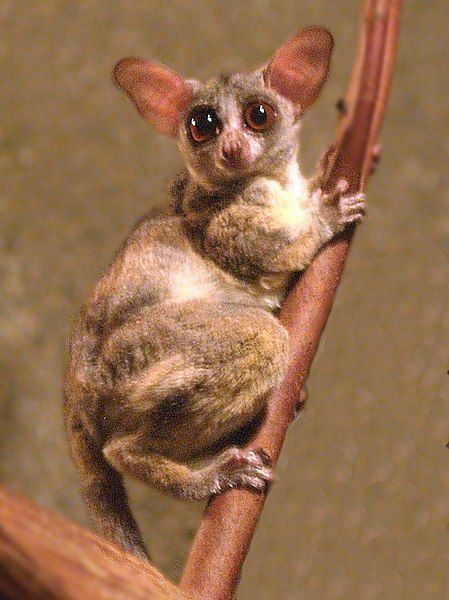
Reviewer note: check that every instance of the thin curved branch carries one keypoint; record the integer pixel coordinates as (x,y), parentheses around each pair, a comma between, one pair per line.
(224,536)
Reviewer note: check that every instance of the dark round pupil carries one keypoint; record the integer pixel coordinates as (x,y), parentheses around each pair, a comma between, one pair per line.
(204,120)
(259,115)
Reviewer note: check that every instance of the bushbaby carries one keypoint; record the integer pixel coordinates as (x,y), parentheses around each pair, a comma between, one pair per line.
(178,347)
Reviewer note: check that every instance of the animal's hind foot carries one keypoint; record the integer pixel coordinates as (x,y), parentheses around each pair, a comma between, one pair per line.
(243,468)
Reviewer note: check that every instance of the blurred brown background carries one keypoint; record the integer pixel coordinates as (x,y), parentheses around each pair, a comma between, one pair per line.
(362,501)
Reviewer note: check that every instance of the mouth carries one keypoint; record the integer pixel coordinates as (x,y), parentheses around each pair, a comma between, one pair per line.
(232,172)
(232,166)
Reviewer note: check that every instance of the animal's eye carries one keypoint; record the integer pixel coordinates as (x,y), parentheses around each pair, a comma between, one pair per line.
(204,123)
(259,116)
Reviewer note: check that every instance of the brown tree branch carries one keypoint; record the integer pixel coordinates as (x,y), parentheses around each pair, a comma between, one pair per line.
(43,556)
(224,536)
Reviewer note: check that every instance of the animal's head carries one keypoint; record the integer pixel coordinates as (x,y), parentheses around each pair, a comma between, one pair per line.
(238,124)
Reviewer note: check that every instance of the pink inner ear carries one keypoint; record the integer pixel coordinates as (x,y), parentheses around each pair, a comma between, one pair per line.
(160,95)
(299,68)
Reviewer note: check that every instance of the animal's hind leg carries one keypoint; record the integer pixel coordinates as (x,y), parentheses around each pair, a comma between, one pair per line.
(231,468)
(199,372)
(208,372)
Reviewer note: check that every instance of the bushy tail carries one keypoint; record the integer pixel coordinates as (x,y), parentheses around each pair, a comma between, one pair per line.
(104,492)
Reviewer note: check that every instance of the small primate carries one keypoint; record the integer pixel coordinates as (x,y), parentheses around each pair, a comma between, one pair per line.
(179,347)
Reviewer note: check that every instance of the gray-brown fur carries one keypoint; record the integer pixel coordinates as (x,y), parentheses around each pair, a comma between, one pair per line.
(177,349)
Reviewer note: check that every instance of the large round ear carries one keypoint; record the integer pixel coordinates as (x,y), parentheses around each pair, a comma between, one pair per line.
(299,68)
(160,95)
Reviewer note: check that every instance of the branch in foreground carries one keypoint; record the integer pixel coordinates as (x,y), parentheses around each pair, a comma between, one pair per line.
(44,556)
(229,522)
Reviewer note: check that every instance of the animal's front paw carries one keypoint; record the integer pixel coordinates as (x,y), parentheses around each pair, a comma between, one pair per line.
(339,209)
(243,468)
(352,208)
